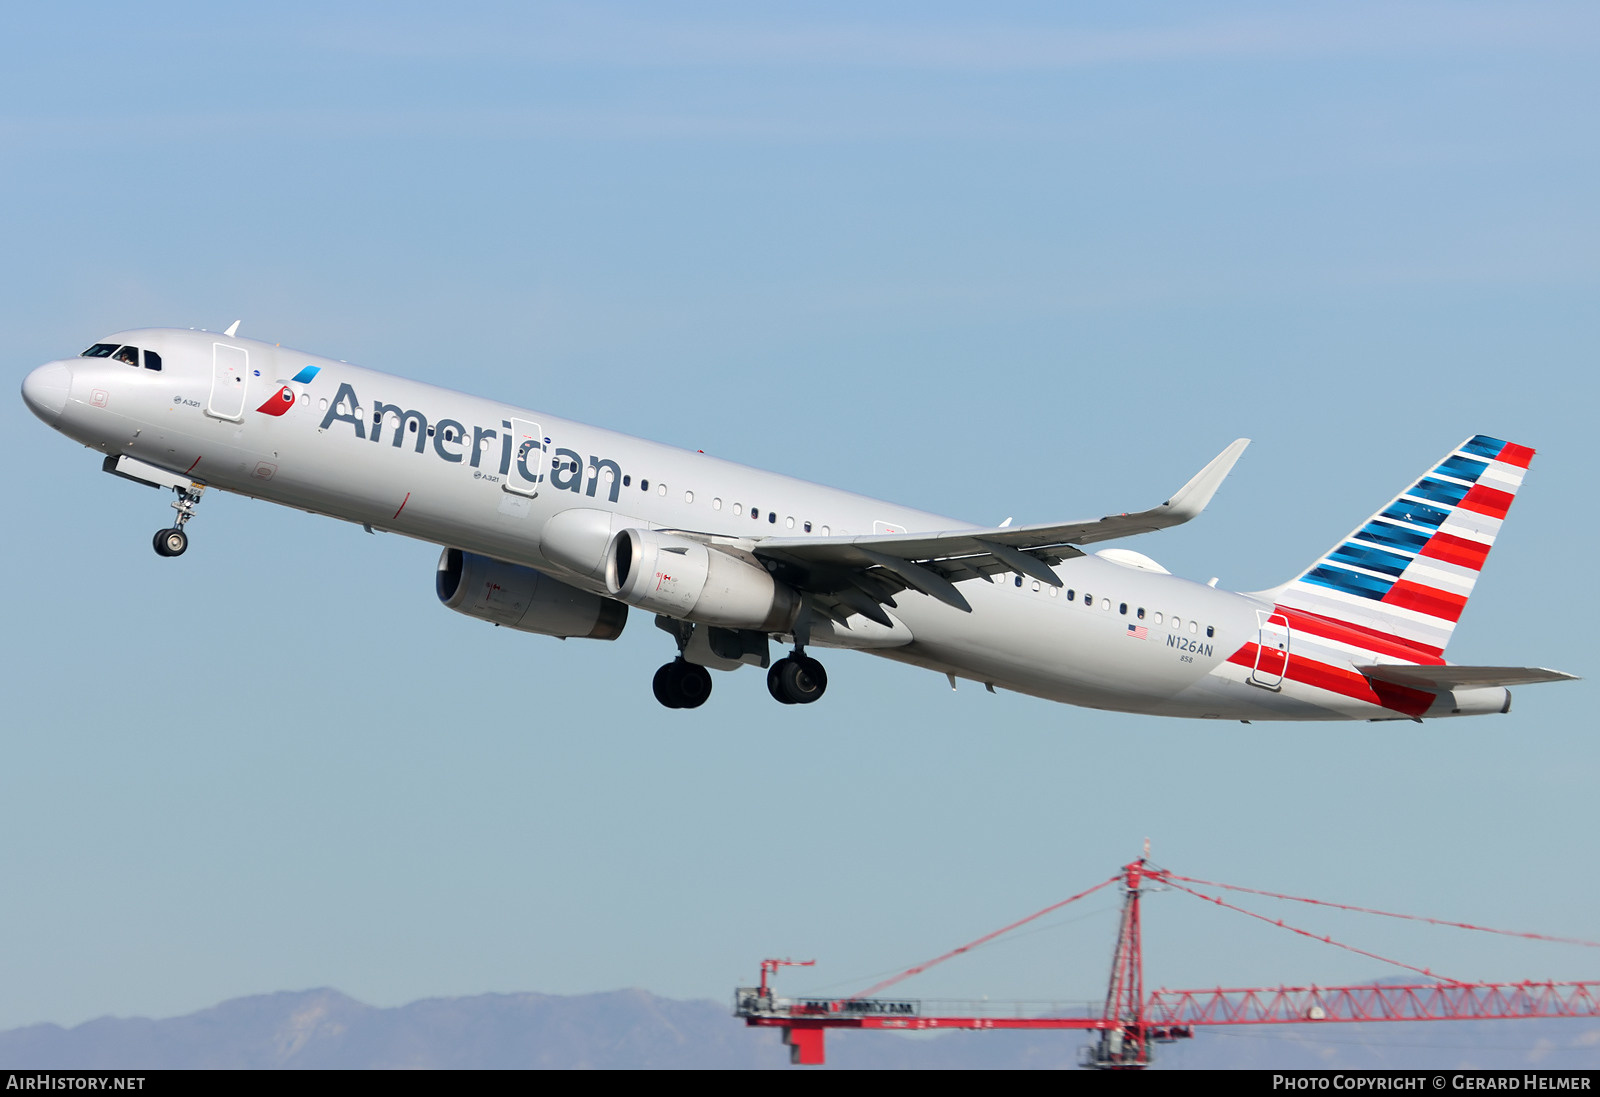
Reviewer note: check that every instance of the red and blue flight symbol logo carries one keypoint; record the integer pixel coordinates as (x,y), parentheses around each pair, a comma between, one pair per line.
(282,400)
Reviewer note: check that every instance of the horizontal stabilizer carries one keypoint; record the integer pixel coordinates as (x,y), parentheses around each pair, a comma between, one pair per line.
(1437,678)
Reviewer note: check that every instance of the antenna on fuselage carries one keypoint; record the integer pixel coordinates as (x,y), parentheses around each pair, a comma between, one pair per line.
(233,329)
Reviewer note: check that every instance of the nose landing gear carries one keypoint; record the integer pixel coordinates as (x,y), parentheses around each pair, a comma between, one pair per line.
(174,541)
(171,542)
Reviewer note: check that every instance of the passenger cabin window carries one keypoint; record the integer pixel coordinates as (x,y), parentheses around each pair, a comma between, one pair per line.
(1211,631)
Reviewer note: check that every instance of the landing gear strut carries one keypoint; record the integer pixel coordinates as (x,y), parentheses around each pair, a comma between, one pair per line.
(682,684)
(173,542)
(796,679)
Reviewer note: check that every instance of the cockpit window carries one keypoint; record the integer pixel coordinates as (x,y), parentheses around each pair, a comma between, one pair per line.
(99,350)
(152,360)
(128,355)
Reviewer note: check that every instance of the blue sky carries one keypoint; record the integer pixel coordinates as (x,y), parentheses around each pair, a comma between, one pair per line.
(1030,261)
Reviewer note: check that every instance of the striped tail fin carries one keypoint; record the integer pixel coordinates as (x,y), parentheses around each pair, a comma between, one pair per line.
(1403,578)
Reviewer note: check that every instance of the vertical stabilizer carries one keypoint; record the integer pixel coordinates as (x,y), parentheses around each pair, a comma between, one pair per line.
(1403,578)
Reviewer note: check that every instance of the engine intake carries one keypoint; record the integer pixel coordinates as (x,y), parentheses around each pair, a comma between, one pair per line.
(686,579)
(524,599)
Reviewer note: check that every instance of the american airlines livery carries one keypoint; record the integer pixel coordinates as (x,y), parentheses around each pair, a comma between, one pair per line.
(557,528)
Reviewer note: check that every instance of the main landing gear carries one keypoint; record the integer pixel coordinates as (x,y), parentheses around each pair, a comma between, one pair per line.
(685,682)
(174,541)
(796,679)
(682,684)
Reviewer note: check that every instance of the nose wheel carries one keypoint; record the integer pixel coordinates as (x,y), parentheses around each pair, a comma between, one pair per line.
(682,684)
(796,680)
(174,541)
(171,542)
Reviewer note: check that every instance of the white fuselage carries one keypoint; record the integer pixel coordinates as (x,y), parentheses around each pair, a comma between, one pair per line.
(441,466)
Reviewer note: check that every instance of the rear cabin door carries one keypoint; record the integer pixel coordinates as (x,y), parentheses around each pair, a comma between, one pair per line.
(1272,651)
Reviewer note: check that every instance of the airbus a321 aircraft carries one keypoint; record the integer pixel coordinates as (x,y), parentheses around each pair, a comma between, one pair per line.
(557,528)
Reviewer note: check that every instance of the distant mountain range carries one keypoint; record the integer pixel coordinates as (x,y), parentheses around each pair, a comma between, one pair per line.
(635,1029)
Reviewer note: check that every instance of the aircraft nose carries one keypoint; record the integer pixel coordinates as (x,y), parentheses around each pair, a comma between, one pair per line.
(45,390)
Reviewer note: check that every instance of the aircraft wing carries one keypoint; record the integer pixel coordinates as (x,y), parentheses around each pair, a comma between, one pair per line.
(848,575)
(1434,679)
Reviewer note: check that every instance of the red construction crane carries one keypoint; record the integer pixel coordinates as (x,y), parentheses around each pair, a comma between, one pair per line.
(1131,1021)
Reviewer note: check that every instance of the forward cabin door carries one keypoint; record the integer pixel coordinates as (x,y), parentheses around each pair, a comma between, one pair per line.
(1272,651)
(230,370)
(527,451)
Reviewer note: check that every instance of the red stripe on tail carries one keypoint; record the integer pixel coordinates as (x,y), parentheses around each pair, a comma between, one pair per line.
(1435,603)
(1346,683)
(1487,500)
(1456,550)
(1412,702)
(1517,455)
(1361,636)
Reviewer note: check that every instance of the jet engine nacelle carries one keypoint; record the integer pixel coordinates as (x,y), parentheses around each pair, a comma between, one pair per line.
(686,579)
(524,599)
